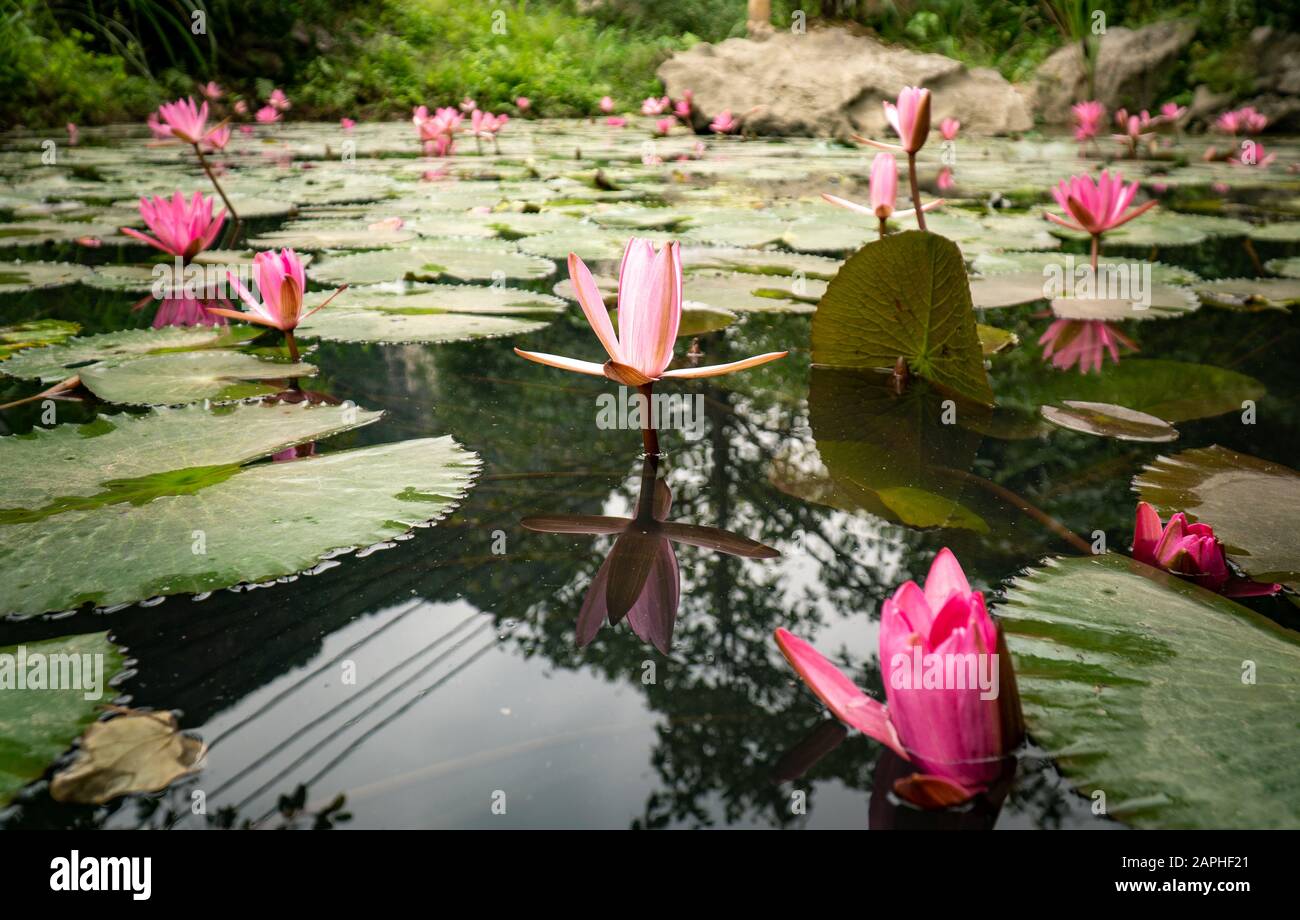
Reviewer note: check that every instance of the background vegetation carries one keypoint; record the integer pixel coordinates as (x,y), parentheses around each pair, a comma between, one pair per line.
(94,61)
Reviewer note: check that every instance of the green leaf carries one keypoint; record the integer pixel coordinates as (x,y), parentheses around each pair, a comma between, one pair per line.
(14,339)
(904,296)
(16,277)
(467,260)
(37,726)
(1251,504)
(450,298)
(424,327)
(188,376)
(262,522)
(1133,679)
(104,459)
(55,362)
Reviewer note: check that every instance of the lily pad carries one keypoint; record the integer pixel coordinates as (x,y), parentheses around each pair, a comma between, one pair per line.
(410,325)
(316,235)
(1133,679)
(904,296)
(986,264)
(1251,504)
(449,298)
(1107,421)
(1155,230)
(994,341)
(1008,290)
(252,524)
(37,726)
(36,334)
(1284,232)
(1161,301)
(758,262)
(1251,293)
(476,260)
(743,293)
(1287,268)
(119,458)
(188,376)
(56,362)
(16,277)
(135,751)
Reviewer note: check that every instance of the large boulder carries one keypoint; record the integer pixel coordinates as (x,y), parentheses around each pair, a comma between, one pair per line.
(1276,58)
(1133,66)
(829,82)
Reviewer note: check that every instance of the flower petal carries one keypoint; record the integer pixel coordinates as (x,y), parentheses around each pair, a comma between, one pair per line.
(714,370)
(593,305)
(565,364)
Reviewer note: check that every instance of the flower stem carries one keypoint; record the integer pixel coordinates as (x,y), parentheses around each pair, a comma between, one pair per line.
(1096,251)
(916,190)
(63,386)
(649,435)
(292,343)
(212,177)
(882,228)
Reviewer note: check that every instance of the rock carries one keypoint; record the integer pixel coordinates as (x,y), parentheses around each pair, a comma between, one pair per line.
(1132,67)
(1276,57)
(829,82)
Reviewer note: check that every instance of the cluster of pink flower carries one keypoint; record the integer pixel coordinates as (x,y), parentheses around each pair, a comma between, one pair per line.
(438,131)
(1246,120)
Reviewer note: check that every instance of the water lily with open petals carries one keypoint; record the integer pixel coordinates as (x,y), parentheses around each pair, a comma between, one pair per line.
(649,313)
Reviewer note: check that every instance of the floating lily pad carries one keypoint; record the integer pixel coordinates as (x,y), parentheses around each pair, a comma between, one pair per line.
(189,376)
(410,325)
(252,524)
(591,243)
(135,751)
(831,234)
(904,296)
(316,235)
(758,262)
(1133,679)
(1156,229)
(41,232)
(1008,290)
(469,261)
(450,298)
(1251,293)
(124,458)
(1287,268)
(986,264)
(16,277)
(994,341)
(697,319)
(1161,301)
(56,362)
(1107,421)
(35,334)
(744,293)
(1251,504)
(39,725)
(1285,232)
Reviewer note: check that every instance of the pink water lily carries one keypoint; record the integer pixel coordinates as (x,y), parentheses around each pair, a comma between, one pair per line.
(958,737)
(279,101)
(184,119)
(1096,205)
(884,193)
(724,123)
(468,105)
(682,108)
(281,282)
(606,104)
(523,103)
(1068,342)
(218,138)
(347,124)
(649,314)
(1172,111)
(212,91)
(181,228)
(665,125)
(614,121)
(1246,120)
(653,106)
(1087,119)
(267,114)
(1253,154)
(910,117)
(948,128)
(1192,551)
(74,134)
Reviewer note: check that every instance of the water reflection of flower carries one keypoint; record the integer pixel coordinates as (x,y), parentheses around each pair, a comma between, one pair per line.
(1068,342)
(639,579)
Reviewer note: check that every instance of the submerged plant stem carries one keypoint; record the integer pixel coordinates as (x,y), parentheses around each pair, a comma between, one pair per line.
(63,386)
(916,190)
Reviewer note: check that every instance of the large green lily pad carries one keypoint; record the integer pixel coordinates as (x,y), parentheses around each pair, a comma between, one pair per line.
(16,277)
(1251,504)
(56,362)
(410,326)
(125,457)
(218,375)
(37,726)
(249,524)
(1136,682)
(904,296)
(470,260)
(448,298)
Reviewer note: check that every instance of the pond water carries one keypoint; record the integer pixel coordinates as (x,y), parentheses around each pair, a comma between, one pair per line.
(438,676)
